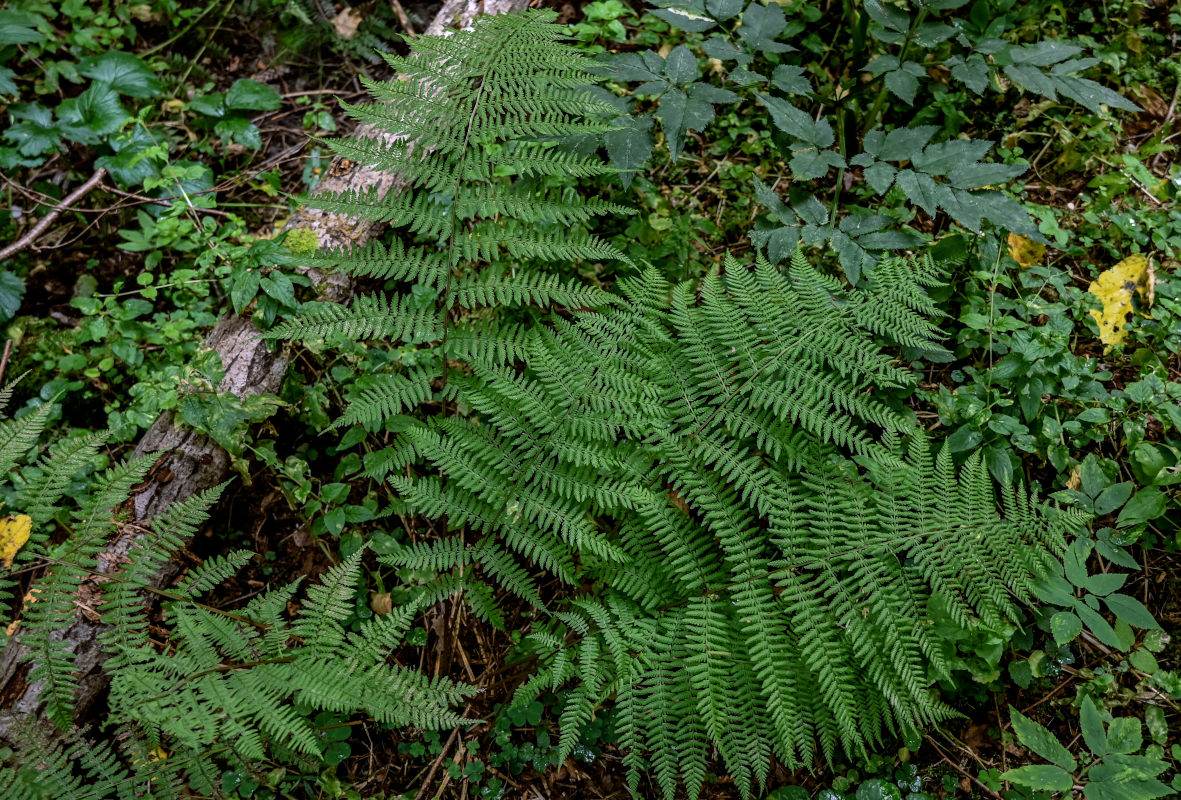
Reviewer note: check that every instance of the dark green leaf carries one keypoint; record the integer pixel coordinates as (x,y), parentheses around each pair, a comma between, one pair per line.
(681,65)
(1041,741)
(1092,725)
(248,95)
(690,21)
(17,27)
(1040,776)
(1147,504)
(123,72)
(12,289)
(761,24)
(92,115)
(790,79)
(1131,611)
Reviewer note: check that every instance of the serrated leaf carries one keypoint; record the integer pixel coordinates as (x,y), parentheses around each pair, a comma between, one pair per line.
(1040,776)
(645,66)
(973,72)
(761,24)
(977,176)
(790,79)
(880,176)
(688,21)
(1131,611)
(1065,626)
(1092,95)
(630,144)
(902,85)
(722,50)
(768,198)
(1041,741)
(920,189)
(1092,725)
(809,209)
(680,66)
(125,73)
(900,144)
(887,15)
(248,95)
(723,9)
(942,158)
(1097,625)
(7,84)
(1125,735)
(853,258)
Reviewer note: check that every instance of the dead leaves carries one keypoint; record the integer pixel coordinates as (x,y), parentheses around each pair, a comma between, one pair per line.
(14,532)
(1115,289)
(1025,251)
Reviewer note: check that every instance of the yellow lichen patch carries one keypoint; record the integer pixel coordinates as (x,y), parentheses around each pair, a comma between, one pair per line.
(1115,289)
(1025,251)
(14,532)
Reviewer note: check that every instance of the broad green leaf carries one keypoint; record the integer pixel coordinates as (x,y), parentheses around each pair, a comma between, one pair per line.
(1091,722)
(1104,583)
(723,9)
(1125,735)
(1065,626)
(1147,504)
(12,289)
(7,84)
(1097,625)
(92,115)
(123,72)
(686,20)
(680,66)
(790,79)
(248,95)
(1041,741)
(244,288)
(761,24)
(1113,497)
(972,72)
(1158,727)
(1041,776)
(33,130)
(17,27)
(238,130)
(1131,611)
(629,145)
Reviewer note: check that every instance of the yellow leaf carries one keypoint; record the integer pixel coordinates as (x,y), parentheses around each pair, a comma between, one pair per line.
(14,532)
(1026,252)
(1115,288)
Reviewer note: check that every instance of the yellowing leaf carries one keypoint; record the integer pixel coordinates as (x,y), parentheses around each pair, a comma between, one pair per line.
(1115,289)
(14,532)
(1024,251)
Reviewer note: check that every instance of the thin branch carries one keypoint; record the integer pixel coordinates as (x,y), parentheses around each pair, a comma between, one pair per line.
(35,232)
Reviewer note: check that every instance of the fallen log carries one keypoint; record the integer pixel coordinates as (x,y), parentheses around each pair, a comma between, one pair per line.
(191,462)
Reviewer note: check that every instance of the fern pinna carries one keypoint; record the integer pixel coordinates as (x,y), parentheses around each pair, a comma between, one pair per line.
(768,531)
(481,120)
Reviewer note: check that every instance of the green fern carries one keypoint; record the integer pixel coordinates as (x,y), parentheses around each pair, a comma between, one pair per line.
(478,121)
(230,686)
(685,449)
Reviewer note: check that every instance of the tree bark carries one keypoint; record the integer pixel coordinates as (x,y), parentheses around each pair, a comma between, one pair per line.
(190,462)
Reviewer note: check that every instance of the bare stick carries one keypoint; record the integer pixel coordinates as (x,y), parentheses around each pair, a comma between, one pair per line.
(35,232)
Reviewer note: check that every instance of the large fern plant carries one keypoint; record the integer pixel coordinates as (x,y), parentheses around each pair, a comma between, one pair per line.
(478,124)
(725,465)
(769,533)
(205,685)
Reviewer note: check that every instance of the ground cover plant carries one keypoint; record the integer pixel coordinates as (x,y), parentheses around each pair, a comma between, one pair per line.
(738,400)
